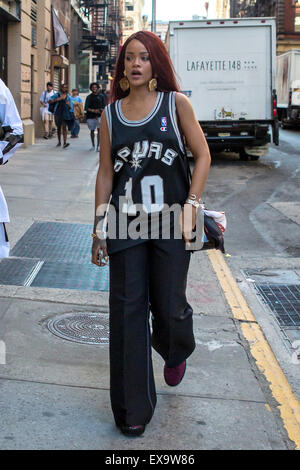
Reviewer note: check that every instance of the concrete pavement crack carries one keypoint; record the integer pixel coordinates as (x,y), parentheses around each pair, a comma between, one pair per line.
(184,395)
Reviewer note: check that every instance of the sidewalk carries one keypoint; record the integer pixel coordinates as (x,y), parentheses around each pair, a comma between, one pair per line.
(55,393)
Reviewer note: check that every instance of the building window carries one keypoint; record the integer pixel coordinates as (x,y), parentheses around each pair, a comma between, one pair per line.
(14,7)
(128,23)
(33,35)
(129,6)
(33,16)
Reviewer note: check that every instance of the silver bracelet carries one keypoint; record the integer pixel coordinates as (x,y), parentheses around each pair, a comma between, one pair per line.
(193,197)
(193,203)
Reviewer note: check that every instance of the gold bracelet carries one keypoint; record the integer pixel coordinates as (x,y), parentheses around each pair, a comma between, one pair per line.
(102,234)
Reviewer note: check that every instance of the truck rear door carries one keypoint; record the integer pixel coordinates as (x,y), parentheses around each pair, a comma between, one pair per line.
(225,69)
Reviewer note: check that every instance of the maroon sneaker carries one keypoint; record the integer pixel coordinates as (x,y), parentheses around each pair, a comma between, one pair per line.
(133,431)
(174,375)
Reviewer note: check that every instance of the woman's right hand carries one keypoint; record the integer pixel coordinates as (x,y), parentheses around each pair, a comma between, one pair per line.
(99,252)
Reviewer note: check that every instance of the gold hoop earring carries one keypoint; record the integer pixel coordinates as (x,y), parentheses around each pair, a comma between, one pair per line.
(152,85)
(124,83)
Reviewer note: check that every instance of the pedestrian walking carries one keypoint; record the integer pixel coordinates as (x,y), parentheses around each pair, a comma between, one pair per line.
(143,168)
(103,92)
(78,112)
(11,137)
(94,105)
(46,116)
(63,113)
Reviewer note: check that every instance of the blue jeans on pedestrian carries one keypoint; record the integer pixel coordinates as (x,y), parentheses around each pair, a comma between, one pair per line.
(76,128)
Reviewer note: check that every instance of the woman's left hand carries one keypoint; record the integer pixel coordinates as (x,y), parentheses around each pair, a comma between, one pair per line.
(188,221)
(99,252)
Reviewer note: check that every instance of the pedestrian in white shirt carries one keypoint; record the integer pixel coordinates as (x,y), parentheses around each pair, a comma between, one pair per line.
(11,137)
(46,116)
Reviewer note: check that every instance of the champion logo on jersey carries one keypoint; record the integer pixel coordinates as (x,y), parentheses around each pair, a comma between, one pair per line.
(163,124)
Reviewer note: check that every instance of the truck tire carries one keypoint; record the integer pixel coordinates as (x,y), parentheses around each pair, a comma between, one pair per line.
(253,152)
(244,156)
(254,158)
(284,125)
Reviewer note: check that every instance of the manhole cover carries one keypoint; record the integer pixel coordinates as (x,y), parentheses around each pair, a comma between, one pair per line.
(83,327)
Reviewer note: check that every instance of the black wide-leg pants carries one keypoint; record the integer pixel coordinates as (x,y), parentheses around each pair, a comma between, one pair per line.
(150,276)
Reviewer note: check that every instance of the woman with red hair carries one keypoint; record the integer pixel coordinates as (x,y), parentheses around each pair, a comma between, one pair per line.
(142,176)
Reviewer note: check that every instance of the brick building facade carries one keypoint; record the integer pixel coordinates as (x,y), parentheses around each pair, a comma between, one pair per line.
(287,13)
(28,56)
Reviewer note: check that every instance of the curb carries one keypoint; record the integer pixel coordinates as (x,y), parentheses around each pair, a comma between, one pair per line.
(260,349)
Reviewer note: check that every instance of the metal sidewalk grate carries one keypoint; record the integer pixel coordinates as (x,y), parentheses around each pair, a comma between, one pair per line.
(284,301)
(17,271)
(72,276)
(57,255)
(55,241)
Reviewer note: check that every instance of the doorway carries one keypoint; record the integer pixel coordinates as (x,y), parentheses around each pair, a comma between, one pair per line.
(32,87)
(3,51)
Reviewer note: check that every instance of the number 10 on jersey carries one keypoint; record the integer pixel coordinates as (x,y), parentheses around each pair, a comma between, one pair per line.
(152,192)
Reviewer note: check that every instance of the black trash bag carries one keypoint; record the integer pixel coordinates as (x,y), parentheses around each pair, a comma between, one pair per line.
(214,235)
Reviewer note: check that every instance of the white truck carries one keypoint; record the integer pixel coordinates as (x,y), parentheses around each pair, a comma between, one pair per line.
(227,69)
(288,88)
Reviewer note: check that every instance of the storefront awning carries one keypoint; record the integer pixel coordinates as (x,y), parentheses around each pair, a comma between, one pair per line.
(59,61)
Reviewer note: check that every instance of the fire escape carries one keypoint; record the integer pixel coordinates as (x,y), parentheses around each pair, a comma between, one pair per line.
(252,8)
(114,32)
(105,35)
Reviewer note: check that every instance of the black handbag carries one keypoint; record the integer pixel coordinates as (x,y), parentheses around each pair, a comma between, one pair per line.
(213,234)
(51,107)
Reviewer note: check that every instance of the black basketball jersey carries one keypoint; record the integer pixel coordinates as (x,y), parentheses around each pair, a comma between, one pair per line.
(150,168)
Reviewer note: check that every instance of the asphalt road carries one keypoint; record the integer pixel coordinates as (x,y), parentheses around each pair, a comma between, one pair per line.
(253,194)
(261,200)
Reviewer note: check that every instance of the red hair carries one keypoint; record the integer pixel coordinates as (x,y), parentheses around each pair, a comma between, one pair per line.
(161,64)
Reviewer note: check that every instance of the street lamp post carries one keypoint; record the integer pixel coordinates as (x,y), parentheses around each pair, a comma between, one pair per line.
(153,23)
